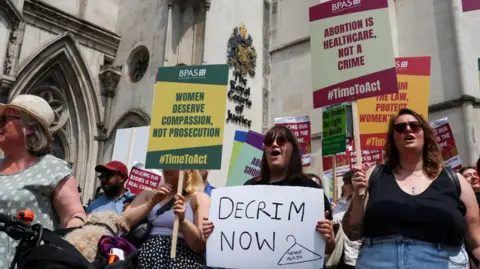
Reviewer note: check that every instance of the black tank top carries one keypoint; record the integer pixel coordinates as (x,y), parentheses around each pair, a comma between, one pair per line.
(435,216)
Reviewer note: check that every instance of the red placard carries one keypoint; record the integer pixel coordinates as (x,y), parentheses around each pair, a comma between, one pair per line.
(446,142)
(300,127)
(140,179)
(469,5)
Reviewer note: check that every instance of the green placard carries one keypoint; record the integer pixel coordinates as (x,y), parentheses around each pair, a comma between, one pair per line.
(334,130)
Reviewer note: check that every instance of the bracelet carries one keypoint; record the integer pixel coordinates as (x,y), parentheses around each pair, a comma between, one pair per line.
(77,217)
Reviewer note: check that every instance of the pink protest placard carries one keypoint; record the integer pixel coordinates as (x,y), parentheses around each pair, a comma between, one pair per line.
(352,52)
(447,144)
(300,127)
(140,179)
(470,5)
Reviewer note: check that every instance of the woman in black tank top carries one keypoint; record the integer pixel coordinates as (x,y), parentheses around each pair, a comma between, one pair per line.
(413,215)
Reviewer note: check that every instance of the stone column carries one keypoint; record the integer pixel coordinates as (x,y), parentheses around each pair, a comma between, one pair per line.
(109,78)
(16,26)
(168,36)
(208,3)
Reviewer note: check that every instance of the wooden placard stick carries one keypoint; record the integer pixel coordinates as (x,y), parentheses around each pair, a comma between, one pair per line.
(356,135)
(173,251)
(130,148)
(334,177)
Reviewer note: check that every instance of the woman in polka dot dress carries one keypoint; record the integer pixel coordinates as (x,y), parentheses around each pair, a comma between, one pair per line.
(191,209)
(31,178)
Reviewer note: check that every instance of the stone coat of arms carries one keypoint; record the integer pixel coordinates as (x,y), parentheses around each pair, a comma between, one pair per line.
(241,54)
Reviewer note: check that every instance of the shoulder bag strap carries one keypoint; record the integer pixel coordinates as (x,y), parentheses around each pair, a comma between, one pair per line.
(164,208)
(454,178)
(377,171)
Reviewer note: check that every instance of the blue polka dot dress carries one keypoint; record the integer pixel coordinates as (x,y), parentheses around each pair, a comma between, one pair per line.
(33,189)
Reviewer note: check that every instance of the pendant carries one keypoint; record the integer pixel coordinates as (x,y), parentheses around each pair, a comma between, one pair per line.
(413,190)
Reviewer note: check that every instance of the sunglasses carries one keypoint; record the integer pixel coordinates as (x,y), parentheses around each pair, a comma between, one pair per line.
(401,128)
(281,141)
(5,118)
(106,175)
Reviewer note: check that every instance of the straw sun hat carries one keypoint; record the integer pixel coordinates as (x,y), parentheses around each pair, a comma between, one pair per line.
(34,106)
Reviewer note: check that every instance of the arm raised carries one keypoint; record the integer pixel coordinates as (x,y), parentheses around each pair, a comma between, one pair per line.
(472,219)
(352,222)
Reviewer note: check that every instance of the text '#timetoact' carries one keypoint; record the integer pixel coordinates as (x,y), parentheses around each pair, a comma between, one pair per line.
(184,159)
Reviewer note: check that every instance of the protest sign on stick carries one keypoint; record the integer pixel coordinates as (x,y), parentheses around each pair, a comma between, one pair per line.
(188,120)
(238,140)
(470,5)
(247,165)
(413,75)
(334,137)
(342,165)
(446,142)
(300,127)
(274,226)
(334,130)
(140,179)
(356,39)
(131,145)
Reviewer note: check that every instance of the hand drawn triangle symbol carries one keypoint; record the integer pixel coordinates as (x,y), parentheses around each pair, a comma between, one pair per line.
(298,254)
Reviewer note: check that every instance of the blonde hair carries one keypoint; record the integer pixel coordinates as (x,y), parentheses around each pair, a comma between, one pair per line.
(193,182)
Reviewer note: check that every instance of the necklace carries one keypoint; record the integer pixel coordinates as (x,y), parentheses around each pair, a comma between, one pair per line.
(411,170)
(413,190)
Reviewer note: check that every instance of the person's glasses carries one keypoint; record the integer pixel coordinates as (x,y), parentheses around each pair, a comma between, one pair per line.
(105,175)
(279,139)
(5,118)
(401,128)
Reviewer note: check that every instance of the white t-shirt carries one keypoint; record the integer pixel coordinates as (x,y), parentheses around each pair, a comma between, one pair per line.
(350,248)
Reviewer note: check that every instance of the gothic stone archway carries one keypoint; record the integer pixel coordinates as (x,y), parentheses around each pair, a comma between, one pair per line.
(59,74)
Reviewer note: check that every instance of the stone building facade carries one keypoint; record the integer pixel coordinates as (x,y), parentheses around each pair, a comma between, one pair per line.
(95,62)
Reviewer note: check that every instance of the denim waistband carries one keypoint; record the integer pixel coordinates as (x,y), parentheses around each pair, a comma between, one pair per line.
(402,240)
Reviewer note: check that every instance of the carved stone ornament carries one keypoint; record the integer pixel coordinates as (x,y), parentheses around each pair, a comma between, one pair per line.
(51,19)
(11,49)
(241,54)
(57,101)
(138,63)
(15,20)
(109,78)
(13,16)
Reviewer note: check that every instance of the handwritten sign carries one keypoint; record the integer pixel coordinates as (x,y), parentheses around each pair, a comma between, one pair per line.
(334,130)
(247,164)
(140,179)
(446,142)
(352,52)
(300,127)
(271,225)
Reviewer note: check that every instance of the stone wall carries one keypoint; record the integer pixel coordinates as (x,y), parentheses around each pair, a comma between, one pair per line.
(52,52)
(223,17)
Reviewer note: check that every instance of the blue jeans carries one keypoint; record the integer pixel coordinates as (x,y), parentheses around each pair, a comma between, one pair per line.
(404,253)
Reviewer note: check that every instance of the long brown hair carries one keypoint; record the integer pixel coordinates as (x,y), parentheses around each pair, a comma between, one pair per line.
(432,156)
(294,166)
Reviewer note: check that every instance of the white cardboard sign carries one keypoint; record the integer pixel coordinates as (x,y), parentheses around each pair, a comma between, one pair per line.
(266,227)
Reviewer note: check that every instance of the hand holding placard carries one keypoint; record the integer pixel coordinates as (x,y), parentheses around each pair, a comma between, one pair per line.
(256,221)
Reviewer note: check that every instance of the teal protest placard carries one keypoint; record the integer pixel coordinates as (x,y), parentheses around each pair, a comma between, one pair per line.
(247,164)
(334,130)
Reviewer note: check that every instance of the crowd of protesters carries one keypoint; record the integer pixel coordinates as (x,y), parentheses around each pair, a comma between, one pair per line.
(415,212)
